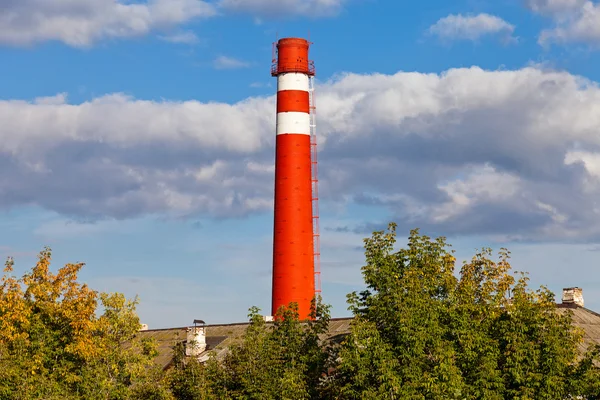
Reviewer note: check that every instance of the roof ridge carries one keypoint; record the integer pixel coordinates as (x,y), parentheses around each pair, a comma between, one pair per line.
(230,324)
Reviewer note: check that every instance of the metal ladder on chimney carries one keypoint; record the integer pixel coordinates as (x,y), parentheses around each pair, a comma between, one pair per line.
(315,186)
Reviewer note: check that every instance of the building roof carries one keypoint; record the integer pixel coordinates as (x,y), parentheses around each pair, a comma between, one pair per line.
(220,337)
(587,320)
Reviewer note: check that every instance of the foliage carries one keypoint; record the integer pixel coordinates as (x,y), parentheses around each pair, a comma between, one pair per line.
(421,332)
(188,379)
(279,360)
(53,344)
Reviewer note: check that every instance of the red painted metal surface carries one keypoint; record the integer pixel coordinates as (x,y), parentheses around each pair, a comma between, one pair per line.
(292,56)
(293,235)
(293,100)
(293,270)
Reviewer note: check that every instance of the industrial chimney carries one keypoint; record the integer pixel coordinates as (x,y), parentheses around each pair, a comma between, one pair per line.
(295,234)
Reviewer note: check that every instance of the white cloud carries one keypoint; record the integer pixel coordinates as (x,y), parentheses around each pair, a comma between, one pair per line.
(554,7)
(256,85)
(466,151)
(581,24)
(575,21)
(590,161)
(225,62)
(481,184)
(471,27)
(81,23)
(58,99)
(186,37)
(270,8)
(104,155)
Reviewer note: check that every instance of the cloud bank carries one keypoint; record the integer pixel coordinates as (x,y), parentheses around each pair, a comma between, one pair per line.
(81,23)
(226,62)
(269,8)
(469,151)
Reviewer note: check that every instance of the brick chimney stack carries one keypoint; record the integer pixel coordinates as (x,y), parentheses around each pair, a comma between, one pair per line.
(573,296)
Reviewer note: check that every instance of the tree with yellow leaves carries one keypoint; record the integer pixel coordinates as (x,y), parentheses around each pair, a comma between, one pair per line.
(53,344)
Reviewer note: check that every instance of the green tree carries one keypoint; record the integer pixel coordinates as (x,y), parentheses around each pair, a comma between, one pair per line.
(188,379)
(422,332)
(280,360)
(53,345)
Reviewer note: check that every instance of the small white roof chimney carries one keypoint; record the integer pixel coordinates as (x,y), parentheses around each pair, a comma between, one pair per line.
(573,295)
(196,339)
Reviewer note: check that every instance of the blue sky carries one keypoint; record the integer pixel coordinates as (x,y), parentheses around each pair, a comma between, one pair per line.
(137,136)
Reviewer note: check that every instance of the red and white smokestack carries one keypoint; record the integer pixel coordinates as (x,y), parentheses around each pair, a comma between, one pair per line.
(293,253)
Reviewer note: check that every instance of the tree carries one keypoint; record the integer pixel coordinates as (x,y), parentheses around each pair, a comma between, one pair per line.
(188,379)
(280,360)
(54,346)
(421,332)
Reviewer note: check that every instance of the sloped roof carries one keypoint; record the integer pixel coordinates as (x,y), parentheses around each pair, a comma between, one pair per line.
(166,340)
(220,337)
(587,320)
